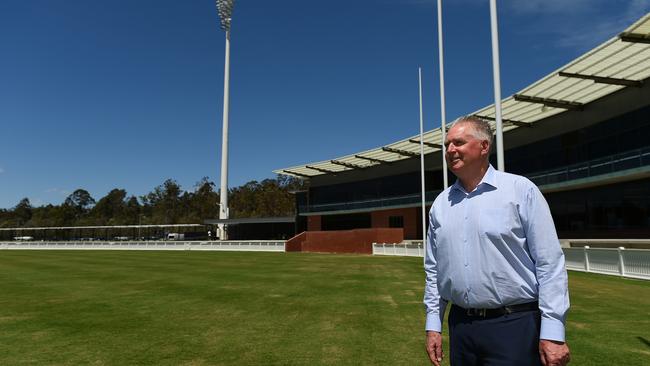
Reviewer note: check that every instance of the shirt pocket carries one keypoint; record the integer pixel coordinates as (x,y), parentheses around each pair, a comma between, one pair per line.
(494,223)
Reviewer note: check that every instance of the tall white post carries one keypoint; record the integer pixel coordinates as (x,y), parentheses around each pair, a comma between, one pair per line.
(223,193)
(424,210)
(224,10)
(443,118)
(497,83)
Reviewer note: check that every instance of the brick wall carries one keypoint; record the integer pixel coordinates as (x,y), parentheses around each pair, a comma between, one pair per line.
(343,241)
(411,217)
(314,223)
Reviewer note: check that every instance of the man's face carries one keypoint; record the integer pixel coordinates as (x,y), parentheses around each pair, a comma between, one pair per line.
(464,152)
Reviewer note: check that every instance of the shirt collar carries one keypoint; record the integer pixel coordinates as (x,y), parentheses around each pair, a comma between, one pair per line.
(488,178)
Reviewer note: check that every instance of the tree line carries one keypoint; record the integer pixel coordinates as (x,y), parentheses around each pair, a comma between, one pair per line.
(167,203)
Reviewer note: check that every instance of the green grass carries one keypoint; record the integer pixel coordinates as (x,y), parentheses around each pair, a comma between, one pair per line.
(228,308)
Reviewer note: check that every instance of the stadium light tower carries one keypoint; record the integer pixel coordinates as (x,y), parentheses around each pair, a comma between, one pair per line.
(224,10)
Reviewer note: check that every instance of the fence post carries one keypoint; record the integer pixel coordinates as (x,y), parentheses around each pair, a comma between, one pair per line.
(586,249)
(621,261)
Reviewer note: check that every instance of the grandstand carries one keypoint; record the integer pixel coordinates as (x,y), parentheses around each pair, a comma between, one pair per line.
(580,133)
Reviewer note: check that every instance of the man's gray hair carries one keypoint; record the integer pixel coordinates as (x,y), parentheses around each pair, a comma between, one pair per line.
(482,129)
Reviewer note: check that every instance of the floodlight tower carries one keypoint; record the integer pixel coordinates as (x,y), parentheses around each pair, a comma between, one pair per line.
(224,9)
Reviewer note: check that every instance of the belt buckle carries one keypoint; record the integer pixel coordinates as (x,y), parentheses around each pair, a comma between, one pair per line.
(476,312)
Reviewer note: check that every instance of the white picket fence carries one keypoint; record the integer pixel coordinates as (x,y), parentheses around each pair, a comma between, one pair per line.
(633,263)
(226,245)
(404,250)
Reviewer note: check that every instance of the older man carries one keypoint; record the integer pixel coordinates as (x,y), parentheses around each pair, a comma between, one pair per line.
(492,251)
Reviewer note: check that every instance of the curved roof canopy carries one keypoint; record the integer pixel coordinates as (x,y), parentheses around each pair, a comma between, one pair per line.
(623,61)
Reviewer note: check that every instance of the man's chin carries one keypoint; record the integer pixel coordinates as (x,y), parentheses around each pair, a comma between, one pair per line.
(455,167)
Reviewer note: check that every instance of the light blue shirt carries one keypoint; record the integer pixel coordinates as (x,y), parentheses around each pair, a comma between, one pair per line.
(492,247)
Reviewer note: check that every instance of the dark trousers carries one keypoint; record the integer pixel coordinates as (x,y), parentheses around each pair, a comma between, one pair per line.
(507,340)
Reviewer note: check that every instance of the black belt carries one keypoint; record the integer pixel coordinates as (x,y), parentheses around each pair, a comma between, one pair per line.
(490,313)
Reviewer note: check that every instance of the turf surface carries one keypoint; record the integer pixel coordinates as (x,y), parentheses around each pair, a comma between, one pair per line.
(234,308)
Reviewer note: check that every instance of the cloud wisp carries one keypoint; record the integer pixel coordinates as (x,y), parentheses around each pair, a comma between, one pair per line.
(58,191)
(579,24)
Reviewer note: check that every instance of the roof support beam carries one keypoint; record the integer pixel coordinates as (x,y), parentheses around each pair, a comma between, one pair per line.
(429,144)
(602,79)
(326,171)
(298,174)
(401,152)
(511,121)
(555,103)
(634,37)
(373,159)
(348,165)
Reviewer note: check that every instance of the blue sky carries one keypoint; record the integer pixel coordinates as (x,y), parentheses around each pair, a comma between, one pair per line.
(125,94)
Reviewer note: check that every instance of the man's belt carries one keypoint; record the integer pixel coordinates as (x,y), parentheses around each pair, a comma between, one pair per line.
(490,313)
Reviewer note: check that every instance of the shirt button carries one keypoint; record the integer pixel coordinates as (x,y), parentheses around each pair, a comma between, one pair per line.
(465,217)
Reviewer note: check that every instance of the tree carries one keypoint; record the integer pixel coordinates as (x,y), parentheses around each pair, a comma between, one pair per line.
(110,209)
(164,202)
(76,206)
(202,203)
(80,199)
(51,215)
(22,212)
(268,198)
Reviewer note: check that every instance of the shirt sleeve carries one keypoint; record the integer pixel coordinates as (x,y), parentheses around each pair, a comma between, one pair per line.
(551,273)
(433,304)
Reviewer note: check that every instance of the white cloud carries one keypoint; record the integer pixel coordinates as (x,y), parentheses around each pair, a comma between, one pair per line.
(579,24)
(58,191)
(549,6)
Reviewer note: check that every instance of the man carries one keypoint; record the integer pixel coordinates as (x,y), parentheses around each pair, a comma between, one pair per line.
(492,251)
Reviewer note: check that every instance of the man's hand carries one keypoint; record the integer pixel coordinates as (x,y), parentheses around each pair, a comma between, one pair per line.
(554,353)
(434,347)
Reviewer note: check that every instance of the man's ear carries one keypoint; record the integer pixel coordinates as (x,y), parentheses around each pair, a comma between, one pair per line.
(485,148)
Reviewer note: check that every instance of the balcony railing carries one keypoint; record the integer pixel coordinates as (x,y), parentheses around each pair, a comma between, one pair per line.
(372,203)
(614,163)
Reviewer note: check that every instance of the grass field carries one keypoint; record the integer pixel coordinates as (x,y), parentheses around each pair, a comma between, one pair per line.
(230,308)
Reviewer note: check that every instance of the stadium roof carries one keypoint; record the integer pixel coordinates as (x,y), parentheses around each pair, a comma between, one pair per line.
(621,62)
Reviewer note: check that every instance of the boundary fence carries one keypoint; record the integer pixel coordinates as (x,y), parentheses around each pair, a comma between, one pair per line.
(226,245)
(633,263)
